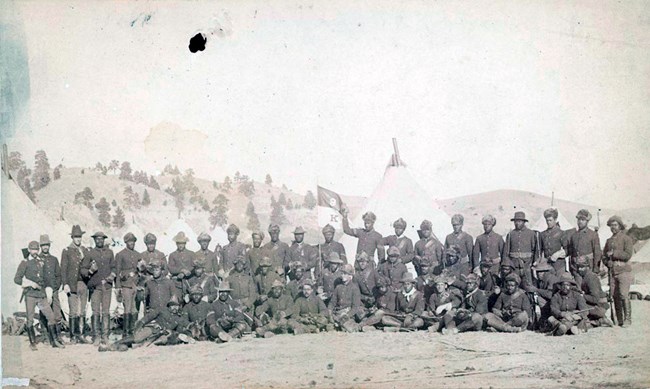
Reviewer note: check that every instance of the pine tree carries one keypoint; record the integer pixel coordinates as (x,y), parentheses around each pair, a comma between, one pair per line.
(268,180)
(237,177)
(131,199)
(16,161)
(273,201)
(247,188)
(99,166)
(41,175)
(277,214)
(145,198)
(153,183)
(104,208)
(84,197)
(56,173)
(282,200)
(310,200)
(125,171)
(289,204)
(227,184)
(114,165)
(118,218)
(218,214)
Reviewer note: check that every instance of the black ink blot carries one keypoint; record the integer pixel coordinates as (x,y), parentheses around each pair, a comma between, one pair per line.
(197,43)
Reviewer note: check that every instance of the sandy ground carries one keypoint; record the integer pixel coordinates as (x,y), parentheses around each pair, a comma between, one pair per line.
(604,357)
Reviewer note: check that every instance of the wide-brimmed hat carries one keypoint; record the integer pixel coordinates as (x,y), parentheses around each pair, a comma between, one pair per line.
(99,234)
(471,277)
(519,215)
(180,237)
(299,230)
(203,237)
(407,277)
(334,258)
(44,240)
(616,219)
(76,230)
(566,277)
(507,262)
(224,286)
(266,262)
(33,245)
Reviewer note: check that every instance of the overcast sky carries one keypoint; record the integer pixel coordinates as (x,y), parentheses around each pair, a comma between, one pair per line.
(539,96)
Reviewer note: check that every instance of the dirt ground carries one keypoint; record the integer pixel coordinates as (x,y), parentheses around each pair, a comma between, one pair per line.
(604,357)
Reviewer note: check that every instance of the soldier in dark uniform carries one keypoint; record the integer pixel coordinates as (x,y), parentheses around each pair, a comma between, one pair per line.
(464,242)
(181,263)
(151,254)
(278,250)
(331,276)
(385,303)
(158,289)
(272,315)
(521,246)
(585,242)
(205,255)
(366,277)
(568,308)
(472,309)
(403,243)
(369,240)
(171,319)
(393,269)
(345,304)
(488,246)
(264,279)
(98,267)
(197,311)
(428,248)
(52,277)
(424,282)
(294,286)
(232,250)
(488,282)
(73,284)
(200,278)
(592,291)
(227,319)
(302,252)
(29,276)
(618,252)
(543,287)
(442,304)
(510,312)
(256,253)
(310,315)
(554,242)
(244,290)
(127,282)
(409,306)
(330,246)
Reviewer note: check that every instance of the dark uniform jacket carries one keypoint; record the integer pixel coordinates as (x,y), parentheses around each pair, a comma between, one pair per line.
(276,307)
(367,281)
(386,302)
(404,244)
(229,253)
(105,261)
(448,296)
(511,304)
(207,282)
(127,268)
(279,253)
(155,255)
(32,269)
(369,242)
(293,288)
(327,248)
(586,242)
(243,287)
(166,319)
(488,247)
(210,258)
(592,289)
(305,254)
(573,301)
(430,250)
(414,304)
(197,313)
(346,296)
(71,258)
(160,291)
(424,284)
(521,244)
(330,280)
(546,287)
(254,257)
(623,247)
(311,305)
(263,282)
(553,240)
(180,261)
(51,272)
(230,309)
(465,243)
(394,272)
(488,282)
(475,301)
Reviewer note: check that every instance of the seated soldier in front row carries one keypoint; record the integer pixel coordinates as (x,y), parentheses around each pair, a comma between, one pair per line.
(271,316)
(545,281)
(568,308)
(591,289)
(228,318)
(385,304)
(510,312)
(473,307)
(409,306)
(345,304)
(442,304)
(197,310)
(310,315)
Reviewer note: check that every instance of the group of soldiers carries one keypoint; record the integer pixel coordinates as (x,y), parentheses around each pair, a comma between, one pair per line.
(547,281)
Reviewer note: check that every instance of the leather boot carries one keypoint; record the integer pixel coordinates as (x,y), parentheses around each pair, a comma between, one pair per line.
(96,329)
(132,320)
(58,333)
(618,307)
(106,322)
(83,327)
(51,332)
(72,324)
(627,309)
(79,327)
(126,323)
(32,338)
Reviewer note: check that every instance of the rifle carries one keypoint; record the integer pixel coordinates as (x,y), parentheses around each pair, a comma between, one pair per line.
(610,296)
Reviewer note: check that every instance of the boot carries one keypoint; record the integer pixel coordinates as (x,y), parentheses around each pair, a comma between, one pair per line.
(83,327)
(627,309)
(32,337)
(51,334)
(126,324)
(96,329)
(106,322)
(58,334)
(618,307)
(72,323)
(79,325)
(560,330)
(134,318)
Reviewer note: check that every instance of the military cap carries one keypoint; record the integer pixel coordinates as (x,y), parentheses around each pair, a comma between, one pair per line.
(347,269)
(457,219)
(196,289)
(150,238)
(543,266)
(616,219)
(582,261)
(485,264)
(76,230)
(369,216)
(99,234)
(258,233)
(199,263)
(566,277)
(334,258)
(33,245)
(393,251)
(239,258)
(440,280)
(513,277)
(299,230)
(266,262)
(401,223)
(426,262)
(232,228)
(519,215)
(583,214)
(328,228)
(156,263)
(471,278)
(383,281)
(277,284)
(203,237)
(363,255)
(173,301)
(307,281)
(507,262)
(407,277)
(224,286)
(129,237)
(180,238)
(489,219)
(551,212)
(426,225)
(44,240)
(274,228)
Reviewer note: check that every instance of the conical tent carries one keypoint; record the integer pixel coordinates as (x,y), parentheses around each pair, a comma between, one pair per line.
(643,255)
(219,236)
(165,240)
(399,195)
(565,224)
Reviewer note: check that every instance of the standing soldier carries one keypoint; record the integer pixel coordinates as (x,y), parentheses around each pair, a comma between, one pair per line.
(98,267)
(29,276)
(302,252)
(428,248)
(370,241)
(181,263)
(618,252)
(554,242)
(464,242)
(158,289)
(127,282)
(393,269)
(148,256)
(256,253)
(403,243)
(521,247)
(243,286)
(232,251)
(73,284)
(278,250)
(489,246)
(52,277)
(585,242)
(205,255)
(330,246)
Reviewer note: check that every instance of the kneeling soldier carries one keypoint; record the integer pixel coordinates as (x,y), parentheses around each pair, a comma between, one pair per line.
(227,319)
(271,316)
(409,306)
(470,313)
(568,308)
(510,312)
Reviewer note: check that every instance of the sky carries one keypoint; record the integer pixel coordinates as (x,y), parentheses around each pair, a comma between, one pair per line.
(537,96)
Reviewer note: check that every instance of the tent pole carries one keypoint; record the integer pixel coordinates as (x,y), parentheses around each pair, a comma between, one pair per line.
(397,158)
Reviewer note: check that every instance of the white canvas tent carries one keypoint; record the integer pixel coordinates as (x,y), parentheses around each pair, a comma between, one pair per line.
(643,255)
(165,240)
(219,236)
(397,195)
